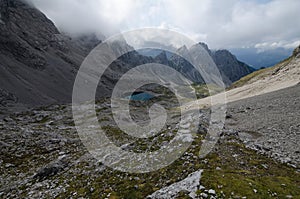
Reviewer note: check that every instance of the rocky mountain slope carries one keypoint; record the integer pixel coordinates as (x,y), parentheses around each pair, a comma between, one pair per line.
(230,66)
(269,123)
(38,63)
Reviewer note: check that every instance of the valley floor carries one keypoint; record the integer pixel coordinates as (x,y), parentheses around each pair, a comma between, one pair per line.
(257,156)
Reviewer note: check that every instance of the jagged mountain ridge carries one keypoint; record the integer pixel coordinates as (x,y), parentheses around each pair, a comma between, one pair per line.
(231,69)
(230,66)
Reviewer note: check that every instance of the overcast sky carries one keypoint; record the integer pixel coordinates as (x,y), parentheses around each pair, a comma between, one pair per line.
(220,23)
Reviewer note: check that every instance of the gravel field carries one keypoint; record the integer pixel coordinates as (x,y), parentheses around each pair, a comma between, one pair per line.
(269,123)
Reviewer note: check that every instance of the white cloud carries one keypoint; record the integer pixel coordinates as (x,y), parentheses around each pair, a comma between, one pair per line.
(222,23)
(280,44)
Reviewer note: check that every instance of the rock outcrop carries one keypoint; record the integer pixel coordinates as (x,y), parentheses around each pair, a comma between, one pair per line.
(296,52)
(190,184)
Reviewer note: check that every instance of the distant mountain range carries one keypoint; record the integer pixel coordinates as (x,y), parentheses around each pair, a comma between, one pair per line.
(39,64)
(254,57)
(229,66)
(258,58)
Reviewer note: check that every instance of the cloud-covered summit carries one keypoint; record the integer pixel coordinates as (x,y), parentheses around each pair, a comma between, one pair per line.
(221,24)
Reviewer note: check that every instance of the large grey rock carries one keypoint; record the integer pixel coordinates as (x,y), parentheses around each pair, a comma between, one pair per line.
(189,184)
(52,169)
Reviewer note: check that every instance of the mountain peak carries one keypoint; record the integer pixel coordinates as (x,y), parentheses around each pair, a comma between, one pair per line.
(205,46)
(162,58)
(163,55)
(226,53)
(183,49)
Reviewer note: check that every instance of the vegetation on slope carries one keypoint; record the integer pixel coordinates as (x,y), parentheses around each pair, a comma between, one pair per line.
(261,73)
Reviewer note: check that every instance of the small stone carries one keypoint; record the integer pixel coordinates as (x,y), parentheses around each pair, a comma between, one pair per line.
(292,165)
(205,161)
(62,143)
(201,187)
(289,196)
(211,191)
(254,190)
(287,160)
(8,165)
(218,169)
(264,166)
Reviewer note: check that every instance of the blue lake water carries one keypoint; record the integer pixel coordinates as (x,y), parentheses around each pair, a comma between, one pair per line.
(140,97)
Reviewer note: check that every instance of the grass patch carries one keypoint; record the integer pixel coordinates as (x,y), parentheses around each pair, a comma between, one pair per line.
(205,90)
(242,174)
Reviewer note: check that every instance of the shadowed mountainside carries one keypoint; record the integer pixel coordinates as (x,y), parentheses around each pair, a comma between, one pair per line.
(36,59)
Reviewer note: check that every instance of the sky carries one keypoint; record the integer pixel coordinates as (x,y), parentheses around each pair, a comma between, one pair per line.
(261,24)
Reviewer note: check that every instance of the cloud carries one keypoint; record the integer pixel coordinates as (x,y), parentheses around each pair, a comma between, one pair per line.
(221,24)
(234,23)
